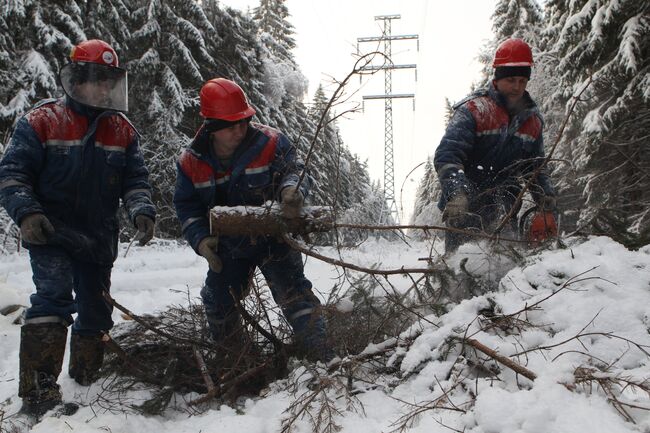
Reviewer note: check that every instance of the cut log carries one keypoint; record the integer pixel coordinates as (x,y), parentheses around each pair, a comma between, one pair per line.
(268,221)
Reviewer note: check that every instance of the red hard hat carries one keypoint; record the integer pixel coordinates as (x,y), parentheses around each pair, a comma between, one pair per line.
(513,52)
(94,51)
(542,227)
(224,100)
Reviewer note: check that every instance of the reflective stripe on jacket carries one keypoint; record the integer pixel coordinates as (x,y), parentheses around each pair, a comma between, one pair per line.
(75,170)
(484,146)
(263,164)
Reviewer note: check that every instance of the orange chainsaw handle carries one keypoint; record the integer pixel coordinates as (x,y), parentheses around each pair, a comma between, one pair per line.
(542,227)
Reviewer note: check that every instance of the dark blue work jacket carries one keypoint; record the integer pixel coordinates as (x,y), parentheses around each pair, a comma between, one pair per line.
(263,164)
(485,147)
(74,168)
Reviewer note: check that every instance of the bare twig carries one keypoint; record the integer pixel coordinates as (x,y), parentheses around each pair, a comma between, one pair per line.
(277,344)
(358,66)
(209,383)
(295,245)
(500,358)
(221,388)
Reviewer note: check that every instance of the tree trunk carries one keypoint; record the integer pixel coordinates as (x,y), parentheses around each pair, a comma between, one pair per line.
(268,221)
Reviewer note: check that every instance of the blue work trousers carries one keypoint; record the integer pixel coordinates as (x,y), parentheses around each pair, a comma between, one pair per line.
(65,286)
(283,270)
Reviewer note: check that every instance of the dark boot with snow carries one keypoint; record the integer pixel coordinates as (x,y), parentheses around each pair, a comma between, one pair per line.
(310,335)
(41,357)
(86,358)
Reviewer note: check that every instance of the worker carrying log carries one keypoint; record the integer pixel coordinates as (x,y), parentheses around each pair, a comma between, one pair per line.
(233,161)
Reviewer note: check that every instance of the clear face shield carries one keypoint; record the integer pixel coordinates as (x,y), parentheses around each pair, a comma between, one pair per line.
(97,86)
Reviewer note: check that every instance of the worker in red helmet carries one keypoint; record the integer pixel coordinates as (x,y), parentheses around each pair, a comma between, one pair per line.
(233,161)
(69,163)
(94,79)
(493,142)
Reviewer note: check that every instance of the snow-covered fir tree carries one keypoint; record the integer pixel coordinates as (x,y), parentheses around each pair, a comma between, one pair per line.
(36,37)
(282,76)
(516,18)
(605,46)
(276,32)
(170,48)
(343,181)
(168,61)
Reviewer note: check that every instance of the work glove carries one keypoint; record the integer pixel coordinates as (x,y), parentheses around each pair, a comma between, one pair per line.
(548,203)
(456,208)
(292,201)
(208,249)
(35,229)
(145,225)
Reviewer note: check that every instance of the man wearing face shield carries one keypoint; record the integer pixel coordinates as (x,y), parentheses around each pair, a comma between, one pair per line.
(68,164)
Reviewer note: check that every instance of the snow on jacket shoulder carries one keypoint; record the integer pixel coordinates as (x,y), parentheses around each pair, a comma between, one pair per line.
(263,164)
(484,147)
(74,170)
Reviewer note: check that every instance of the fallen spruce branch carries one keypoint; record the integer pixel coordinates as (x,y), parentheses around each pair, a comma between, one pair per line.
(370,352)
(223,388)
(260,221)
(150,327)
(519,369)
(318,406)
(407,421)
(277,344)
(309,252)
(613,386)
(121,353)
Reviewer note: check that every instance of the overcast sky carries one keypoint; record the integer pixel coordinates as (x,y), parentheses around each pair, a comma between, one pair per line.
(450,36)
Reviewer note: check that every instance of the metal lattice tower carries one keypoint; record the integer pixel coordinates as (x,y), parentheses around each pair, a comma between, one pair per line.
(388,96)
(389,167)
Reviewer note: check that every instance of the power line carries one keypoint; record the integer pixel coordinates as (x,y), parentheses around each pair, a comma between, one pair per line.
(389,167)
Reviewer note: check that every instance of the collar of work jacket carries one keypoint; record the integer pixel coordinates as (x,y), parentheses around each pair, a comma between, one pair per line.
(256,148)
(250,147)
(526,103)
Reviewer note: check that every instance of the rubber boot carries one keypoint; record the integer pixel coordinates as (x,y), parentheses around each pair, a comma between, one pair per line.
(86,358)
(226,331)
(310,333)
(41,358)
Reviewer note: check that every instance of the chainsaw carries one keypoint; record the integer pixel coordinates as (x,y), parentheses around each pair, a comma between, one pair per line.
(537,226)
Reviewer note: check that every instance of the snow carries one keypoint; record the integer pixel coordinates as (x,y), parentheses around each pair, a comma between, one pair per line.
(281,78)
(629,49)
(595,287)
(183,56)
(16,7)
(17,106)
(593,122)
(38,69)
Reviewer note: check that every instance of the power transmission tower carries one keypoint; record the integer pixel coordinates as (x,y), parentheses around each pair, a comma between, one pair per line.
(389,167)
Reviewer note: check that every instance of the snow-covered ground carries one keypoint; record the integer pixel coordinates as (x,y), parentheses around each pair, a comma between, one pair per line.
(607,301)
